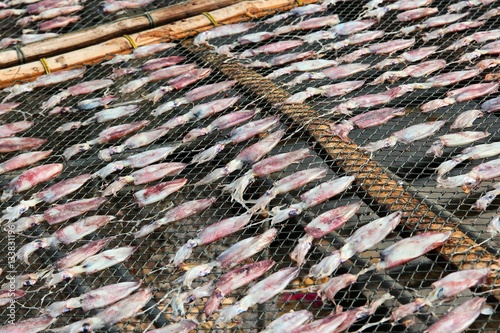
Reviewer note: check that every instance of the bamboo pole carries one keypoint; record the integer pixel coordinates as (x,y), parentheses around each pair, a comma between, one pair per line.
(106,31)
(187,27)
(379,186)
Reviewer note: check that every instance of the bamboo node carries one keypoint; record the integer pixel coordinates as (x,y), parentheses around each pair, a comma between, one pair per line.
(152,23)
(131,41)
(211,18)
(45,65)
(21,57)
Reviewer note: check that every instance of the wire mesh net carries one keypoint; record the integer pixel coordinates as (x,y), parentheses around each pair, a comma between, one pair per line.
(408,164)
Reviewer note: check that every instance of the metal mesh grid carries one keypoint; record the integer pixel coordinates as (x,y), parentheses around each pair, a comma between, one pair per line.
(92,15)
(405,161)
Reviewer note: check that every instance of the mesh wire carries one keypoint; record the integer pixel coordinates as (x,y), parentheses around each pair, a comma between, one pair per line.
(152,261)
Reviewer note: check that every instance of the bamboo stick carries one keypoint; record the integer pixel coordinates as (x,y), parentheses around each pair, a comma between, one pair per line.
(373,179)
(106,31)
(187,27)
